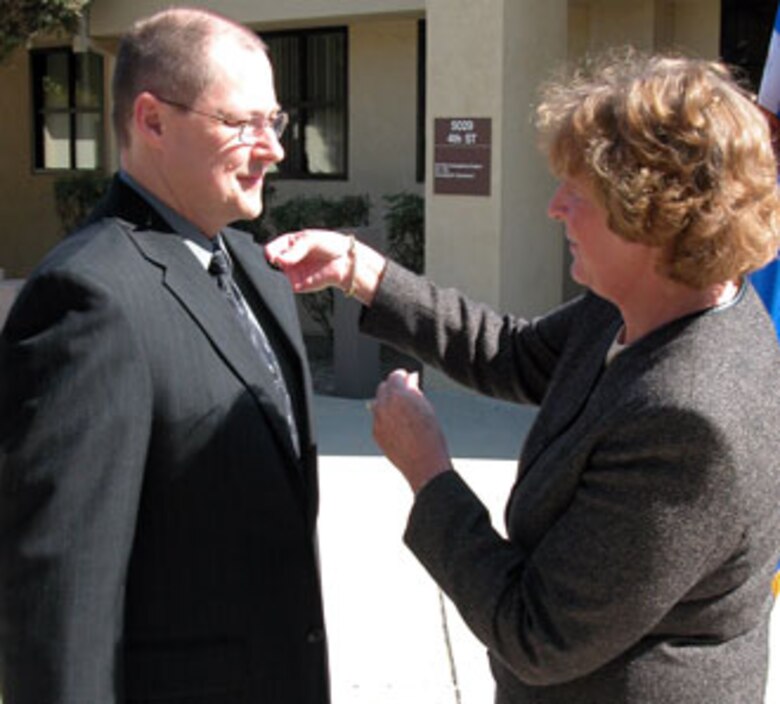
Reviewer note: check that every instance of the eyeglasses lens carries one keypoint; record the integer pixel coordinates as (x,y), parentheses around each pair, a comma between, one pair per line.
(252,132)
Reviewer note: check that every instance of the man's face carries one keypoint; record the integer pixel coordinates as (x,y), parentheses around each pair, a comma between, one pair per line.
(214,178)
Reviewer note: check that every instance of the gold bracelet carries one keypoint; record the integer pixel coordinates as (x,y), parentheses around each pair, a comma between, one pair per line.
(352,256)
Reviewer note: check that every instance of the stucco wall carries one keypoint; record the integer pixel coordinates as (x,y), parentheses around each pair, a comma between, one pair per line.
(690,26)
(485,58)
(697,27)
(110,17)
(28,226)
(382,115)
(532,245)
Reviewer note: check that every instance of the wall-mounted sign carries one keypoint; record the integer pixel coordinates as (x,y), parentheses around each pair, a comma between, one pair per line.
(461,155)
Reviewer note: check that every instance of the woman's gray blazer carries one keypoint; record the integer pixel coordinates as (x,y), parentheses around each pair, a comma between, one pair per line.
(645,521)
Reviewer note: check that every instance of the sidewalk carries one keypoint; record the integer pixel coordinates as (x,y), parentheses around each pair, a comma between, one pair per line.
(393,638)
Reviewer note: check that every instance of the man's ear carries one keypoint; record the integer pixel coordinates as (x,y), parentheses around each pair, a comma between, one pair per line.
(148,118)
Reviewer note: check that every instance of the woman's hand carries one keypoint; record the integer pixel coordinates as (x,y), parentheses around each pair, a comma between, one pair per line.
(312,259)
(407,431)
(316,259)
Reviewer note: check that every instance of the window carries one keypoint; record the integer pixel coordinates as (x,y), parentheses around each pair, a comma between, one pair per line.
(311,84)
(421,69)
(745,31)
(67,90)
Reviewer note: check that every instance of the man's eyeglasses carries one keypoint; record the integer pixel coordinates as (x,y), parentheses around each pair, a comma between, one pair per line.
(249,131)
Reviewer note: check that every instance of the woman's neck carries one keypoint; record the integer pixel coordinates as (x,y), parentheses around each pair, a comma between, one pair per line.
(669,302)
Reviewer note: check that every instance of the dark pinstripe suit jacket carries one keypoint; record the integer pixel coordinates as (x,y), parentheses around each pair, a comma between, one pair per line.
(157,530)
(645,522)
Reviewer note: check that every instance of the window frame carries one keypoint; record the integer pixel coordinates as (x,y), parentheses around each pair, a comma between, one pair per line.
(422,61)
(39,112)
(745,32)
(294,172)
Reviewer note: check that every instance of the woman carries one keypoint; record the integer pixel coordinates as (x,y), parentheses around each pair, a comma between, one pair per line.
(643,527)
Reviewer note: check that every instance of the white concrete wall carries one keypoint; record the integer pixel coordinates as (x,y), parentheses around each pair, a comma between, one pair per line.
(486,60)
(28,224)
(9,288)
(697,27)
(531,250)
(690,26)
(463,233)
(111,17)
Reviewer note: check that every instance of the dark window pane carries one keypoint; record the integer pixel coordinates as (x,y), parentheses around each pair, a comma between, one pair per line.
(311,84)
(421,69)
(67,92)
(55,80)
(89,81)
(285,53)
(745,30)
(325,69)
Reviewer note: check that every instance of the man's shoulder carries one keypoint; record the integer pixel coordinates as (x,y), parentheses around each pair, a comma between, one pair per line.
(84,248)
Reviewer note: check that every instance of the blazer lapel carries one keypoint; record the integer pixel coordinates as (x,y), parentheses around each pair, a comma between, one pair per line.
(269,284)
(573,386)
(273,293)
(192,286)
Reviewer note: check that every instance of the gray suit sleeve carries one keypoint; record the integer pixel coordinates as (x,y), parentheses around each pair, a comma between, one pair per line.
(75,405)
(499,355)
(644,526)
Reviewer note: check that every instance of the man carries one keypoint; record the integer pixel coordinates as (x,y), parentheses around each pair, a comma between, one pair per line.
(158,489)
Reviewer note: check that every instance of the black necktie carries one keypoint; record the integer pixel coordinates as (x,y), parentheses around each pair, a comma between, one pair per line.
(220,268)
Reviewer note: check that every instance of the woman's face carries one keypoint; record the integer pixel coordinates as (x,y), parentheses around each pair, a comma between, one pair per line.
(601,260)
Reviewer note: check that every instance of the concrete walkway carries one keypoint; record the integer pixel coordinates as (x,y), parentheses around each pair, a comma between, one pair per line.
(394,638)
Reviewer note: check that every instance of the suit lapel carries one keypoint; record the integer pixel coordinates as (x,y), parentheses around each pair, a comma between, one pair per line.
(273,293)
(268,284)
(573,386)
(184,278)
(192,286)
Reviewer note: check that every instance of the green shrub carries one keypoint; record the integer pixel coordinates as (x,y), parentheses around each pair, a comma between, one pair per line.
(312,212)
(22,19)
(75,196)
(405,219)
(316,211)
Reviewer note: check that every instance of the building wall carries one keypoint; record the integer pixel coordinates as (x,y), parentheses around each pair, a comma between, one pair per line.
(532,246)
(382,116)
(485,59)
(691,26)
(111,17)
(697,27)
(28,224)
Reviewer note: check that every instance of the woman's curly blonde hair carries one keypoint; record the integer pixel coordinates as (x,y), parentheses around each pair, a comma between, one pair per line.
(679,154)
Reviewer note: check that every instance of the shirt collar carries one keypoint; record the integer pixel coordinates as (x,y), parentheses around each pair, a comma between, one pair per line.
(200,245)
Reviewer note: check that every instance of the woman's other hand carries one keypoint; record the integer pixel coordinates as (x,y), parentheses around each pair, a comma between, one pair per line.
(407,430)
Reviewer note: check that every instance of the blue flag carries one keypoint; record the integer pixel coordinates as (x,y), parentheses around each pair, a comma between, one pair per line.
(769,92)
(767,280)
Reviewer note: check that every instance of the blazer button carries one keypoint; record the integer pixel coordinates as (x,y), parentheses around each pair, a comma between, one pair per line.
(315,635)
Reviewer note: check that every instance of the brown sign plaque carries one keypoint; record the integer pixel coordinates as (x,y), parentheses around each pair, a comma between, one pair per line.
(461,155)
